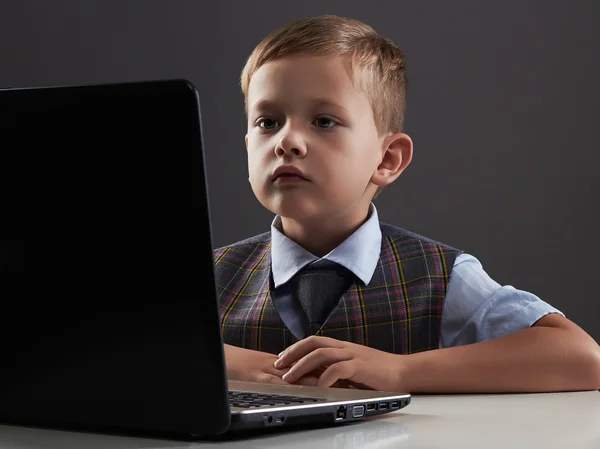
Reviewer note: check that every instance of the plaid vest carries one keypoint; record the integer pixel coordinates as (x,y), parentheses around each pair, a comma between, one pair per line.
(399,311)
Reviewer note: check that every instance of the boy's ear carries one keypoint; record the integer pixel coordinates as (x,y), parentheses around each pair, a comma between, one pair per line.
(246,140)
(397,155)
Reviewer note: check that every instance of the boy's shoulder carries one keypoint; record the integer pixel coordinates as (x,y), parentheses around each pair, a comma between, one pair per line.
(398,234)
(247,246)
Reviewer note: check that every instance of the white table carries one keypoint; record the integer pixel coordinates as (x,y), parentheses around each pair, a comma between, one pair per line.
(552,420)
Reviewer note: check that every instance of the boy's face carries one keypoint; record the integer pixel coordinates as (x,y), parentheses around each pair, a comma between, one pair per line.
(304,112)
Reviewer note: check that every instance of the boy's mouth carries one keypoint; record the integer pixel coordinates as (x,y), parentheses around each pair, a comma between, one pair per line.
(288,173)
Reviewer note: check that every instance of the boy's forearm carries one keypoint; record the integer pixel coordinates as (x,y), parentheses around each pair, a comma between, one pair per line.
(538,359)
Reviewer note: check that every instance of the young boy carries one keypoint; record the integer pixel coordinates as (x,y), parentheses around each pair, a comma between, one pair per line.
(331,296)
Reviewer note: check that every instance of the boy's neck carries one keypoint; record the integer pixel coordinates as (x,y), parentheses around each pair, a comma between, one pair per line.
(321,235)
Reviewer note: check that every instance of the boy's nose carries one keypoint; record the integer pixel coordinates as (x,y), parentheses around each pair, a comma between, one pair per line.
(290,146)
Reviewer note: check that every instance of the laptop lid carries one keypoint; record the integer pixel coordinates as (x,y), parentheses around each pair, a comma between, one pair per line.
(113,323)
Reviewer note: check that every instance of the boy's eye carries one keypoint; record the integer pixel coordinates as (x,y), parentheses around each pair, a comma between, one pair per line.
(267,123)
(324,122)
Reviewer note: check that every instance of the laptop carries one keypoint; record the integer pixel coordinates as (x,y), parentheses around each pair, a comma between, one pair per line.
(112,325)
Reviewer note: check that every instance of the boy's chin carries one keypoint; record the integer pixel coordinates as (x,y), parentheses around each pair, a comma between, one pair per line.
(296,209)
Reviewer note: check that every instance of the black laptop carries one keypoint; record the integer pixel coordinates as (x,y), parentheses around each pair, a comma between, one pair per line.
(111,323)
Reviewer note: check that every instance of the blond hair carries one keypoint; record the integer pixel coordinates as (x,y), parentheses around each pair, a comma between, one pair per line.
(378,64)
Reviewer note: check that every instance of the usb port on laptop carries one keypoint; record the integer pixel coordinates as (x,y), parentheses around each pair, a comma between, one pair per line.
(394,404)
(383,406)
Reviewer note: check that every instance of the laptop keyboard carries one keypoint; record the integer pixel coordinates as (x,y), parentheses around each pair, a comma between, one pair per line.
(247,399)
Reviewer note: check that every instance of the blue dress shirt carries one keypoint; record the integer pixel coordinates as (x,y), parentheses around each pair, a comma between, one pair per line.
(476,307)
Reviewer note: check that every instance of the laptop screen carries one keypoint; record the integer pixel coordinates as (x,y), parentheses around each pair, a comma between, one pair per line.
(106,184)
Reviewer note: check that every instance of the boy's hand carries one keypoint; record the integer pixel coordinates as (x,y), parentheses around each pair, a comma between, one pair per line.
(252,366)
(255,366)
(360,365)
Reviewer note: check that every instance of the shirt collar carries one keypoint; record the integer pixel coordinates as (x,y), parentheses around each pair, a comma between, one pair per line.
(359,253)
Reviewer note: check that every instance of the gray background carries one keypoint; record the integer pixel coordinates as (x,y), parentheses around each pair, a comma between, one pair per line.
(503,107)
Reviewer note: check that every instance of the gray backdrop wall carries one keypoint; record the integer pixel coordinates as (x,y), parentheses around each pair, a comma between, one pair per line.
(503,109)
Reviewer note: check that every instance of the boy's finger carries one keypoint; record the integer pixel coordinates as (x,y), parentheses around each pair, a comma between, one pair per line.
(309,381)
(320,357)
(277,372)
(304,347)
(275,380)
(339,371)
